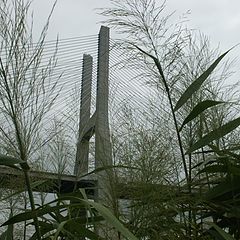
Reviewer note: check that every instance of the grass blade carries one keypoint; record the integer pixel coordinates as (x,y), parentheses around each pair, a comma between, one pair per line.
(38,212)
(197,83)
(80,231)
(198,109)
(225,235)
(33,185)
(10,161)
(109,217)
(215,134)
(8,234)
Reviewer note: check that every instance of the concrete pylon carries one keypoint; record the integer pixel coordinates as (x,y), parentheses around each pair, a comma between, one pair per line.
(103,147)
(103,153)
(81,164)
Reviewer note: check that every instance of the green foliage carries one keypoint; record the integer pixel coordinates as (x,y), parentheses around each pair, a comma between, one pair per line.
(202,186)
(225,235)
(8,234)
(215,135)
(163,203)
(222,199)
(10,161)
(195,86)
(34,185)
(68,224)
(198,109)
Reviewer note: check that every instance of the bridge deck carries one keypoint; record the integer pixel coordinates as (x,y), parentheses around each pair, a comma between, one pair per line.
(14,179)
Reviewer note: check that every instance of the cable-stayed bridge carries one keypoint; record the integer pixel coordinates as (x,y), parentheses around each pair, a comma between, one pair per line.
(90,84)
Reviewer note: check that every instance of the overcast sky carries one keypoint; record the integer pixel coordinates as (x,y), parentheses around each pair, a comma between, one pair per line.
(219,19)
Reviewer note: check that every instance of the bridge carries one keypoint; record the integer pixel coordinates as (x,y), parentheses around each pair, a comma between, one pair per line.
(94,65)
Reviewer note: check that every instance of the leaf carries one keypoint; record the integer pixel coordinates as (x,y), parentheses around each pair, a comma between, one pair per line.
(8,234)
(225,235)
(215,134)
(3,236)
(84,219)
(107,167)
(235,170)
(222,188)
(59,229)
(38,212)
(214,169)
(10,161)
(234,211)
(198,109)
(83,192)
(44,228)
(197,83)
(79,231)
(112,220)
(106,214)
(33,185)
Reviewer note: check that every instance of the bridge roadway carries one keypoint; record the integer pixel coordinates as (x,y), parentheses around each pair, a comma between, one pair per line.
(62,183)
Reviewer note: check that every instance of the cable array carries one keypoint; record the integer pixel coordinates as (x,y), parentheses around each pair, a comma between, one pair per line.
(131,88)
(61,61)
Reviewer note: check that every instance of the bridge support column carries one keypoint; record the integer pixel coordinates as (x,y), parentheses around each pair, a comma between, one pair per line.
(81,164)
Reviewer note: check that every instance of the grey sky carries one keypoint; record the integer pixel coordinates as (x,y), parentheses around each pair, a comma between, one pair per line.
(219,19)
(71,18)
